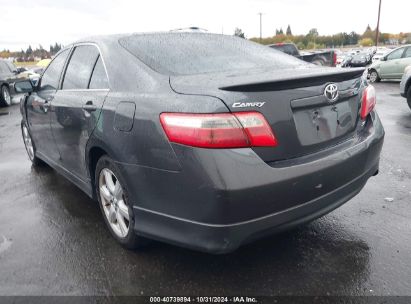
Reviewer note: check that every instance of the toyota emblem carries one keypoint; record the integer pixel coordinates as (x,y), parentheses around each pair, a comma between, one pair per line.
(331,92)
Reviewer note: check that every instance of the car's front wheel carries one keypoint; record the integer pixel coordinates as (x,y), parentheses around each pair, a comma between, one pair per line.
(409,97)
(374,77)
(114,203)
(5,97)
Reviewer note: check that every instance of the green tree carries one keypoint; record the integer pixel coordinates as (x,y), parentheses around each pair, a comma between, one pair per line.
(29,51)
(366,42)
(288,32)
(239,33)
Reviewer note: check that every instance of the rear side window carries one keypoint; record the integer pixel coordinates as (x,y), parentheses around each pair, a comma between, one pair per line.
(51,77)
(193,53)
(407,53)
(80,67)
(3,68)
(99,78)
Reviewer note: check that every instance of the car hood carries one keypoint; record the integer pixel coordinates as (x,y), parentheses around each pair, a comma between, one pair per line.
(375,65)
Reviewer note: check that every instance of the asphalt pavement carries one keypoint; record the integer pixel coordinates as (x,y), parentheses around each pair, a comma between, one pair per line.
(53,240)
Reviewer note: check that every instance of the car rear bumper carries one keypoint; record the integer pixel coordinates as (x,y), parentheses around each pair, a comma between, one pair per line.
(219,239)
(222,199)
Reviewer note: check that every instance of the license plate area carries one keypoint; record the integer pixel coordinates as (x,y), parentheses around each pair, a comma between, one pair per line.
(324,123)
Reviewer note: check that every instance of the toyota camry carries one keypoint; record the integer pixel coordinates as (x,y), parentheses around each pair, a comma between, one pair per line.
(201,140)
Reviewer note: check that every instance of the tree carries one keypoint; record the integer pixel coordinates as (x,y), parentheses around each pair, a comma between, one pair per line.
(239,33)
(57,47)
(312,36)
(366,42)
(29,51)
(288,32)
(313,32)
(353,38)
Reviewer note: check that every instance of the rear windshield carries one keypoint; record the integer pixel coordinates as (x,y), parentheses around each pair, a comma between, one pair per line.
(193,53)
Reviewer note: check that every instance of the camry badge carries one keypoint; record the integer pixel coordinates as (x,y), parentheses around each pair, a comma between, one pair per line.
(248,104)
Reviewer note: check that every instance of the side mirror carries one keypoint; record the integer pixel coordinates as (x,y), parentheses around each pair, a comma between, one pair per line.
(24,86)
(383,59)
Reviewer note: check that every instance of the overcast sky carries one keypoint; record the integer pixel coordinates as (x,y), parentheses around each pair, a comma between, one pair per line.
(47,21)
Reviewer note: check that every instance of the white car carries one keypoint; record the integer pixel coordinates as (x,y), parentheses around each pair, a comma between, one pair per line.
(381,52)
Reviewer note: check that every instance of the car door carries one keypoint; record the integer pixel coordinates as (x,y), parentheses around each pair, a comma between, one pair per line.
(404,62)
(390,69)
(77,106)
(38,107)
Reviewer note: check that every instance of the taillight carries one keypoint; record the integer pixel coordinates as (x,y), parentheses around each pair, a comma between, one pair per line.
(224,130)
(368,101)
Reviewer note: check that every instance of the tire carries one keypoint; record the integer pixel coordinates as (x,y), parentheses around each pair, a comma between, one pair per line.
(30,146)
(113,200)
(5,97)
(374,77)
(318,62)
(409,97)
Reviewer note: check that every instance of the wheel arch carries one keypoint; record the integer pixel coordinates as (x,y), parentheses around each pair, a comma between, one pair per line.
(94,153)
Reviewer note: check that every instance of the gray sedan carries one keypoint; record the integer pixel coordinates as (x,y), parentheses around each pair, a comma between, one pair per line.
(201,140)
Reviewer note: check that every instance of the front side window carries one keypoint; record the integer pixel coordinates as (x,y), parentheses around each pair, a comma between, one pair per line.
(80,67)
(51,76)
(395,54)
(99,78)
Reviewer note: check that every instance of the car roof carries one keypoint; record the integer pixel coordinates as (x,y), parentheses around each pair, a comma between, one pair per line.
(116,37)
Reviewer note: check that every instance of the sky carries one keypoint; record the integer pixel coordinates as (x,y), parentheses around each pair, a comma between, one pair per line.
(45,22)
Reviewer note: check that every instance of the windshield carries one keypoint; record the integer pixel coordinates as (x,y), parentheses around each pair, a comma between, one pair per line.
(192,53)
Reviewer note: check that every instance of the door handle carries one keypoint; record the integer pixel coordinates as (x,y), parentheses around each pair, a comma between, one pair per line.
(89,107)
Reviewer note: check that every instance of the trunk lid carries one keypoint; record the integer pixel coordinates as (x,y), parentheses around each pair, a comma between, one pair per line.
(293,102)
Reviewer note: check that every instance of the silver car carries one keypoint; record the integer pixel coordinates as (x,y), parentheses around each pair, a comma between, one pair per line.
(405,85)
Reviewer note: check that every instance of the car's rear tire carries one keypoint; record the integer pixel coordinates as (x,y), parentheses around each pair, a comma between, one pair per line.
(5,97)
(318,62)
(113,199)
(374,77)
(30,146)
(409,97)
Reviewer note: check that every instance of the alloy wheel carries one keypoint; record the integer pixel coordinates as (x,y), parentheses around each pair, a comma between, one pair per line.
(28,142)
(6,95)
(373,76)
(114,203)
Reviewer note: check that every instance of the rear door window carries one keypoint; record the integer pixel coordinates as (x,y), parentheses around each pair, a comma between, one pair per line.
(80,67)
(407,53)
(3,68)
(51,77)
(99,78)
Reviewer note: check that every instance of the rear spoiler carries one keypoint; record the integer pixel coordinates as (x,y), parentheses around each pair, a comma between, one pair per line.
(298,81)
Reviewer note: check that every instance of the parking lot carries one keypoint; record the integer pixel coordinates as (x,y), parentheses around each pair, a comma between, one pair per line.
(53,240)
